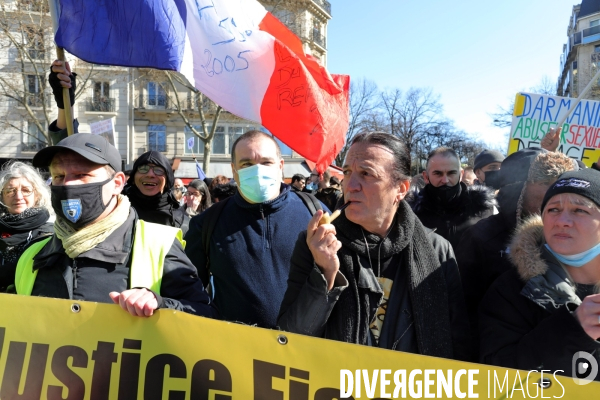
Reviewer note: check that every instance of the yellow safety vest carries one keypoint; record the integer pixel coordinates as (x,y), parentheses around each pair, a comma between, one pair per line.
(151,244)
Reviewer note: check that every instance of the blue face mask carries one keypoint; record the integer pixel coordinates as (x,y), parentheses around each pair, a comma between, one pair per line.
(577,260)
(259,183)
(311,186)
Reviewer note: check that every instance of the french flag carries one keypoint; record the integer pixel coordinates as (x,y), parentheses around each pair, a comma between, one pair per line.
(234,51)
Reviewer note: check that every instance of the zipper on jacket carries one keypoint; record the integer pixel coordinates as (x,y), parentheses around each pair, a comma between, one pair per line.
(74,268)
(262,214)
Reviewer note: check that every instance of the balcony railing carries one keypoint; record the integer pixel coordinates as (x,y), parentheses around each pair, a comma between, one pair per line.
(318,38)
(324,4)
(159,101)
(32,147)
(101,105)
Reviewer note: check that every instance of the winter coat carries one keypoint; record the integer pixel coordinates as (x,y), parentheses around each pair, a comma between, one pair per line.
(482,253)
(309,308)
(329,196)
(16,232)
(450,221)
(105,268)
(527,318)
(250,251)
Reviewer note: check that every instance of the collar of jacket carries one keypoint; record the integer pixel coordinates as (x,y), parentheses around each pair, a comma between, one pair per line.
(546,282)
(473,199)
(266,207)
(115,249)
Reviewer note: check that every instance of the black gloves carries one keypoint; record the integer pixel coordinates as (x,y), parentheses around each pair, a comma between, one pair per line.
(57,89)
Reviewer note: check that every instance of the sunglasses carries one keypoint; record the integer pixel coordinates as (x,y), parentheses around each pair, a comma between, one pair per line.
(158,171)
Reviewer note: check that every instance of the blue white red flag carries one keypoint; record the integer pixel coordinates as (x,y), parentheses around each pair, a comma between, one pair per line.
(233,51)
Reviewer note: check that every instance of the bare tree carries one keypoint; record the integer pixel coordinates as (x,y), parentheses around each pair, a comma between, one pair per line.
(411,115)
(27,38)
(502,118)
(363,101)
(199,99)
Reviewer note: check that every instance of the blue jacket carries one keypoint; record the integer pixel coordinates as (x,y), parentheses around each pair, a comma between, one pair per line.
(250,254)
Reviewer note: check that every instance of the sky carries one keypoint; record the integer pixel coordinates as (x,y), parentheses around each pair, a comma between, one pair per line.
(476,55)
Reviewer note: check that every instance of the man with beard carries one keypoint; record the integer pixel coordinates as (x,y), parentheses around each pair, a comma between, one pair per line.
(482,254)
(446,204)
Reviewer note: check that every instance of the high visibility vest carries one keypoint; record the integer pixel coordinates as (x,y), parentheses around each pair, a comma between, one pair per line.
(151,244)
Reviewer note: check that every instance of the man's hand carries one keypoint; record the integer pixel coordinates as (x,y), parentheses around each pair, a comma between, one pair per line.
(324,246)
(551,141)
(138,302)
(588,315)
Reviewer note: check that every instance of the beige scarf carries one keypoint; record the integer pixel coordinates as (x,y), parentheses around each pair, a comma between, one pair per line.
(78,242)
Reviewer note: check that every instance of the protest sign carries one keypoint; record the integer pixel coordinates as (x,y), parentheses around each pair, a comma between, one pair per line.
(104,128)
(535,114)
(76,350)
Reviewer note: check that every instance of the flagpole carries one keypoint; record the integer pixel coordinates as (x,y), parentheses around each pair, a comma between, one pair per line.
(60,55)
(579,98)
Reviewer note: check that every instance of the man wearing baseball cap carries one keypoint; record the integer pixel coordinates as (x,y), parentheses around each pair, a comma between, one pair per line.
(487,168)
(101,251)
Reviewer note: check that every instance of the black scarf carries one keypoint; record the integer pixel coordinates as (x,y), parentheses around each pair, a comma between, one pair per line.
(16,230)
(31,218)
(161,208)
(427,285)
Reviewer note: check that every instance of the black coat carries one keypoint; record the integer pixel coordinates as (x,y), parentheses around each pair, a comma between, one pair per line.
(527,318)
(450,221)
(105,268)
(308,305)
(482,252)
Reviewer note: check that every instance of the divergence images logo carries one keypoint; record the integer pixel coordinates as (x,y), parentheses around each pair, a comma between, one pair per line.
(584,367)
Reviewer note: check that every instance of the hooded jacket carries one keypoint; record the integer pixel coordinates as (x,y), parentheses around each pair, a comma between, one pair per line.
(452,219)
(162,208)
(527,318)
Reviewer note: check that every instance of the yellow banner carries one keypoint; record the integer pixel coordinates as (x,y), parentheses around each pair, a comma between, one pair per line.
(61,349)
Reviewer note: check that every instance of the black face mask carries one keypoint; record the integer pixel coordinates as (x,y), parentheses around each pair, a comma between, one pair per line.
(443,194)
(492,179)
(79,204)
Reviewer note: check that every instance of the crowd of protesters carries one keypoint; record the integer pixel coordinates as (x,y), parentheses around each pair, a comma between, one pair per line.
(496,262)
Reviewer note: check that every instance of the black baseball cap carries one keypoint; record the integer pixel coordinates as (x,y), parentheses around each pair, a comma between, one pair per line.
(94,148)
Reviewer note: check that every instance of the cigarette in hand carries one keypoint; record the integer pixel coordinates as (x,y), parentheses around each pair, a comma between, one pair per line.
(327,219)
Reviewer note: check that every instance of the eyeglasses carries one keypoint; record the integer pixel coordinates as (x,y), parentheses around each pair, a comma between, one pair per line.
(158,171)
(12,192)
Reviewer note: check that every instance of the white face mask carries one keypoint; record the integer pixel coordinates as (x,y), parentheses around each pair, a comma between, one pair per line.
(259,183)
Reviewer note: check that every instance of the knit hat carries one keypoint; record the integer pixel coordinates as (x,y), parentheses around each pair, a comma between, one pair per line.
(515,167)
(487,157)
(585,182)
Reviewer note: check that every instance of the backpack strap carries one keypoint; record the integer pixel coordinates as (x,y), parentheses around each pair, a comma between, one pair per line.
(309,201)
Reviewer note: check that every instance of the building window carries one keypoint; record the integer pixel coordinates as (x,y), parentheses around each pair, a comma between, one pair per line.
(156,95)
(35,90)
(595,22)
(34,42)
(218,142)
(157,138)
(34,139)
(100,99)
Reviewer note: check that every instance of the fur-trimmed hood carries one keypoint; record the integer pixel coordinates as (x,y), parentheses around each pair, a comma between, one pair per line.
(526,248)
(473,199)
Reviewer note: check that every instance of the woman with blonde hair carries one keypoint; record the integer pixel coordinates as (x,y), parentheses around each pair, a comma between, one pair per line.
(546,312)
(24,213)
